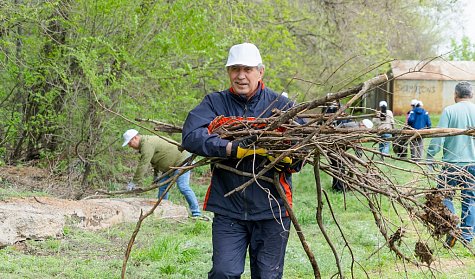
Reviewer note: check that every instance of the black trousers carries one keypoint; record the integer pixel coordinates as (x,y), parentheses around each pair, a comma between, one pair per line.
(266,240)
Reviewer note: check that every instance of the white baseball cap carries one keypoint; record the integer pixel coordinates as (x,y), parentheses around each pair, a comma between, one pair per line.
(128,135)
(383,103)
(420,103)
(367,123)
(414,102)
(245,54)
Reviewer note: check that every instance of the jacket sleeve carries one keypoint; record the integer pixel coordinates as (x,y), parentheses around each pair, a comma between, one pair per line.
(195,136)
(411,118)
(146,154)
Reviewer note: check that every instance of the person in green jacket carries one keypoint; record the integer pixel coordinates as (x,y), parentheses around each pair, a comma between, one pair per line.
(162,155)
(459,156)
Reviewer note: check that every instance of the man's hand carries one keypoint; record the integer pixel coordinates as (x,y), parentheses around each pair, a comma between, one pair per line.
(283,164)
(131,186)
(245,147)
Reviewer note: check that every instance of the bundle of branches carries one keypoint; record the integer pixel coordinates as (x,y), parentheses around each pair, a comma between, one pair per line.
(350,155)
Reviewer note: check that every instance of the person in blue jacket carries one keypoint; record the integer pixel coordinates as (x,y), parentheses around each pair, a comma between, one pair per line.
(418,119)
(255,218)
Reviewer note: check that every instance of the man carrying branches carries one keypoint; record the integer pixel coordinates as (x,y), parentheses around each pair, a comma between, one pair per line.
(255,217)
(459,153)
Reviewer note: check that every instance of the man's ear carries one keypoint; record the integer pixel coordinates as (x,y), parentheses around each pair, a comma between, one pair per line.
(261,73)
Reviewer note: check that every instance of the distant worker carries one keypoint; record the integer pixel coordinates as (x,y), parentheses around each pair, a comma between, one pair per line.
(400,143)
(418,119)
(338,184)
(162,155)
(459,153)
(384,120)
(413,105)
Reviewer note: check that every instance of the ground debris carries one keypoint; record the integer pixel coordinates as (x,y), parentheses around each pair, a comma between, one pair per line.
(438,216)
(423,252)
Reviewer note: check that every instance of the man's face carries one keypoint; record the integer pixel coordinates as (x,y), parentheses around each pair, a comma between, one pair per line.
(244,79)
(134,142)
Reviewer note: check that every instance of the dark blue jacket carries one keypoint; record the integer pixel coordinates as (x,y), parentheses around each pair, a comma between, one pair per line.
(253,203)
(419,119)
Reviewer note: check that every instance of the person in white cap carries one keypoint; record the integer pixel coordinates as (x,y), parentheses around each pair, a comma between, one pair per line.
(418,119)
(162,155)
(384,120)
(253,220)
(413,105)
(338,184)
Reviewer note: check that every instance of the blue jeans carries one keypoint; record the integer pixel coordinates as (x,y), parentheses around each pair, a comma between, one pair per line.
(454,177)
(183,183)
(384,145)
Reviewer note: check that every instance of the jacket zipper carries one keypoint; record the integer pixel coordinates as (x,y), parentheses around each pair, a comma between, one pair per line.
(245,110)
(244,191)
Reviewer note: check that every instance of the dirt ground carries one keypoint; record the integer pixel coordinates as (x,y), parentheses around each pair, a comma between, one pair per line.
(33,179)
(36,205)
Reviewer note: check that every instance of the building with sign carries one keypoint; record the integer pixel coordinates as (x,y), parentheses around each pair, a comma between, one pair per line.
(431,82)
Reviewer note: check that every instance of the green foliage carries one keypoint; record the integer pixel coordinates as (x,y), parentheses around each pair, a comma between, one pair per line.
(182,249)
(463,51)
(162,248)
(76,74)
(197,229)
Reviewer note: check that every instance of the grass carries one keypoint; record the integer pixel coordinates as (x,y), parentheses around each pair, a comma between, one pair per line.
(182,249)
(7,190)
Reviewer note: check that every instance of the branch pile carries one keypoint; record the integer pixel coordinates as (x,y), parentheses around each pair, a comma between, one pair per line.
(351,155)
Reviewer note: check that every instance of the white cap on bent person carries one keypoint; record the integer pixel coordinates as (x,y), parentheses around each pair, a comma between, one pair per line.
(414,102)
(383,104)
(245,54)
(128,135)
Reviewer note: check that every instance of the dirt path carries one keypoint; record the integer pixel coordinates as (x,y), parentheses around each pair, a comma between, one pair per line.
(41,217)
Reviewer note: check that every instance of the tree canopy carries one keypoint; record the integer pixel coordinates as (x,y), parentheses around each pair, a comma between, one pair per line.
(73,72)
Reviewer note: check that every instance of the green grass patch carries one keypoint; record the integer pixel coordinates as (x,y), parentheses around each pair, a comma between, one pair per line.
(182,249)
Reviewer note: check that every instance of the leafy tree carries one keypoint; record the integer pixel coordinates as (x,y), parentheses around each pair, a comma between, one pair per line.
(465,51)
(73,71)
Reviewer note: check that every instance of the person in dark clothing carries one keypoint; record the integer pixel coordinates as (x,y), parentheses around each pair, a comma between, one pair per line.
(338,185)
(254,219)
(418,119)
(400,143)
(413,105)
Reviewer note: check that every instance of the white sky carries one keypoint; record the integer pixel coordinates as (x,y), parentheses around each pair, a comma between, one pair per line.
(460,24)
(469,25)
